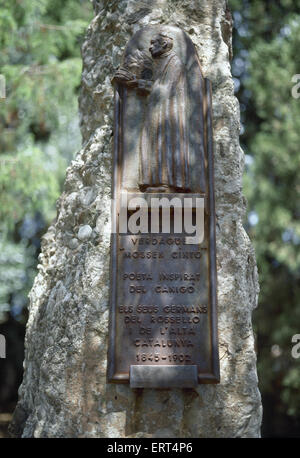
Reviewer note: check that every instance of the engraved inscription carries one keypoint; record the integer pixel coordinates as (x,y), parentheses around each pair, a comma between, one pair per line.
(163,313)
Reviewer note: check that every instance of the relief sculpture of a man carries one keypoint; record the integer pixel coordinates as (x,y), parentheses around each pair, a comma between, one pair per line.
(164,139)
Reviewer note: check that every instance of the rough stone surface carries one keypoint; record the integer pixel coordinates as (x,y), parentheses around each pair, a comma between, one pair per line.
(85,232)
(64,391)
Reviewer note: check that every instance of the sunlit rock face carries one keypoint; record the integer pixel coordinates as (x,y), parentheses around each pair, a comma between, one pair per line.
(64,392)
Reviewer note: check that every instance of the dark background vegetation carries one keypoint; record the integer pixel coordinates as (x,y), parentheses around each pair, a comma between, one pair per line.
(39,134)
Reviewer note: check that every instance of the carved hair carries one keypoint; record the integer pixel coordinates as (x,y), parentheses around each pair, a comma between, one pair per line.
(164,37)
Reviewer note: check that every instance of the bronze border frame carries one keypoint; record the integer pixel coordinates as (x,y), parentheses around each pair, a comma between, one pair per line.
(214,376)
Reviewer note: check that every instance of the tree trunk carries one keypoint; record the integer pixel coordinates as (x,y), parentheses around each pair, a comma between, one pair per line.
(64,391)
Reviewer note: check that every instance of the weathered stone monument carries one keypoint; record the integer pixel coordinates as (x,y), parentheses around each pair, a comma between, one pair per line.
(147,334)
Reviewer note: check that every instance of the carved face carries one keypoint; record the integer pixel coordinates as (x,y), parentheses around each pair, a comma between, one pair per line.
(158,46)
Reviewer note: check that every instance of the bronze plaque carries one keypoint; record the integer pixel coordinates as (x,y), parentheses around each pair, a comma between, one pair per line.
(163,310)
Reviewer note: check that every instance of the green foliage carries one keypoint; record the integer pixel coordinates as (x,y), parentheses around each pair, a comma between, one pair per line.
(17,271)
(39,132)
(28,183)
(266,59)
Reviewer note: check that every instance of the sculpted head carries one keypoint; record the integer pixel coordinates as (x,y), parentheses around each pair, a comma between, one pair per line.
(160,44)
